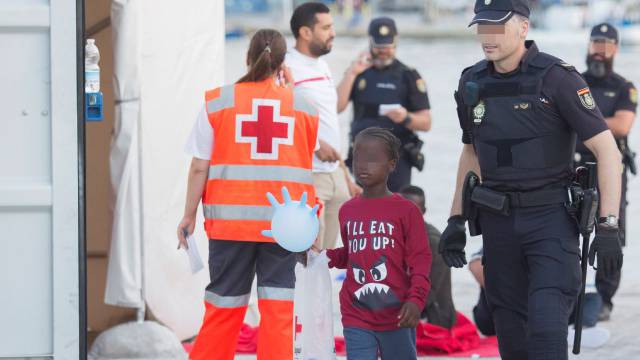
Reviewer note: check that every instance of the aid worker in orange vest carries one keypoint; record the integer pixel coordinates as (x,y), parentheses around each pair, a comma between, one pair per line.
(265,136)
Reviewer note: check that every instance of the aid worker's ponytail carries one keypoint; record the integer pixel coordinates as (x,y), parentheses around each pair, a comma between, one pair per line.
(265,55)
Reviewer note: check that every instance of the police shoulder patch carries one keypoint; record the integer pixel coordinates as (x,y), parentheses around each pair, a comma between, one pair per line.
(633,95)
(586,99)
(422,87)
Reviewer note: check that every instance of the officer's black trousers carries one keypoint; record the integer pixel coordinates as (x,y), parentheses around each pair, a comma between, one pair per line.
(532,278)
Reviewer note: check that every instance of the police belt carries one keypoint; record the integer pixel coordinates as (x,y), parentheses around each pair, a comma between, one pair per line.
(503,202)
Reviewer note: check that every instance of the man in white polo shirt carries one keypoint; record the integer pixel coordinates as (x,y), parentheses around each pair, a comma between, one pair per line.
(312,26)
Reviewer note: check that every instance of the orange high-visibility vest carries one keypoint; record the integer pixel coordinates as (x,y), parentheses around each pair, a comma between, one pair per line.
(265,136)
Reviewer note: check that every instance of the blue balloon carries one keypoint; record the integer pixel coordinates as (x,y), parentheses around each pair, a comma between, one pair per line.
(294,224)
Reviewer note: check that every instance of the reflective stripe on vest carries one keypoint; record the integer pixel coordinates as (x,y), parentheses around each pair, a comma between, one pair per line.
(262,173)
(226,301)
(274,293)
(242,117)
(224,101)
(238,212)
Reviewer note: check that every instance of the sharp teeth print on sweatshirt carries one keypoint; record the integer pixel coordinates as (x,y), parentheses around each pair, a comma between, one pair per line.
(387,256)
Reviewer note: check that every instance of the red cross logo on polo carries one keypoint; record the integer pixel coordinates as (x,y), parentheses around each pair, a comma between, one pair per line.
(265,129)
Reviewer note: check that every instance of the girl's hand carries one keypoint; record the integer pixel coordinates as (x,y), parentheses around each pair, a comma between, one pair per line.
(409,315)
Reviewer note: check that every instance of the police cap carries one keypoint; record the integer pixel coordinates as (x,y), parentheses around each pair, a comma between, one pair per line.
(605,31)
(383,31)
(498,11)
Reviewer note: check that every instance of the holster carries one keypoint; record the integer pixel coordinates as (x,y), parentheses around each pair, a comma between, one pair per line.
(585,198)
(469,210)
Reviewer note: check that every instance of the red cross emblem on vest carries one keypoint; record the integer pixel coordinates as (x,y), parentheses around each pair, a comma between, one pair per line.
(265,129)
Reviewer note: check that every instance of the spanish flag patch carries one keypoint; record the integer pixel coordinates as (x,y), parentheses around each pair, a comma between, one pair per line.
(586,99)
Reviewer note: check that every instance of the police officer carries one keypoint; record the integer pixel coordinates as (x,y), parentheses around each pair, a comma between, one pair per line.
(520,110)
(617,99)
(386,93)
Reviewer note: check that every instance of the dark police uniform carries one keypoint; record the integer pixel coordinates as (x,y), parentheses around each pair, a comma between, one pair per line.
(395,84)
(523,129)
(523,126)
(611,93)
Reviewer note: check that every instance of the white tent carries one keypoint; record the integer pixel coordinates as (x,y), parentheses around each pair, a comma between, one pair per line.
(167,53)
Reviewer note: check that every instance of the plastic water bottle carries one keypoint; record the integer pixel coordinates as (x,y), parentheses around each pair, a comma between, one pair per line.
(91,68)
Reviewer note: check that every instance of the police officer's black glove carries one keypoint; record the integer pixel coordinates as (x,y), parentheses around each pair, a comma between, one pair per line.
(453,241)
(607,246)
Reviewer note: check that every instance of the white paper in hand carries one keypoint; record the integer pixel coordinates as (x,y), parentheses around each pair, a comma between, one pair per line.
(383,109)
(194,256)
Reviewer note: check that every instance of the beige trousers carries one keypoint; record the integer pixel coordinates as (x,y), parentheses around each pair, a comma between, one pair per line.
(333,191)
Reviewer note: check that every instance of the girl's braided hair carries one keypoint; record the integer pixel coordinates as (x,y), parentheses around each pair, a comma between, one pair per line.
(391,141)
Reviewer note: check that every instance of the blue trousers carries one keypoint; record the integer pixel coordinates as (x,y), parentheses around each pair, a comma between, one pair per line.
(393,345)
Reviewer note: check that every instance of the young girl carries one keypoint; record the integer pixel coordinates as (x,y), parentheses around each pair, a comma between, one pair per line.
(387,255)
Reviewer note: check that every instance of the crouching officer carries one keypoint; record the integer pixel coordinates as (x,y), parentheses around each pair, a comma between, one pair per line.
(388,94)
(617,99)
(519,110)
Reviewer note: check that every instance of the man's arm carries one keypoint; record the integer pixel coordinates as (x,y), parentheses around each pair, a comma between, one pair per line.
(346,84)
(418,105)
(620,123)
(468,162)
(587,121)
(344,89)
(625,111)
(603,146)
(419,120)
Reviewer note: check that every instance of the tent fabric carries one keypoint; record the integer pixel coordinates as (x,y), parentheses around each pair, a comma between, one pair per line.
(124,274)
(161,73)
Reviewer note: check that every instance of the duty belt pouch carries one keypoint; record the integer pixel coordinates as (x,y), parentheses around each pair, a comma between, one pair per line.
(494,201)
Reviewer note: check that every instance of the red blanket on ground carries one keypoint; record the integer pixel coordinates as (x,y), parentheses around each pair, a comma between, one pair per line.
(460,341)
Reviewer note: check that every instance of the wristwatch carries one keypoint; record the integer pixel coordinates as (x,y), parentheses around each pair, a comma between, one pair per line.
(610,221)
(406,120)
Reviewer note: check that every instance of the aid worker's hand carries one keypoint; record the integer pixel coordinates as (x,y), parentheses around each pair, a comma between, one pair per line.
(409,316)
(327,152)
(303,256)
(397,115)
(187,225)
(362,63)
(286,79)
